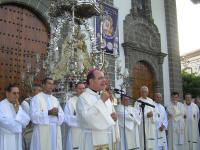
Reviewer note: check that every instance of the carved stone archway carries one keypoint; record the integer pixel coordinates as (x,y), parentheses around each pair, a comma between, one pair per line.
(142,43)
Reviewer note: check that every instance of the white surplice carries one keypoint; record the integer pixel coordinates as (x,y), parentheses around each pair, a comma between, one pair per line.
(26,105)
(42,118)
(73,132)
(27,132)
(130,139)
(191,126)
(95,121)
(161,141)
(176,126)
(149,124)
(11,124)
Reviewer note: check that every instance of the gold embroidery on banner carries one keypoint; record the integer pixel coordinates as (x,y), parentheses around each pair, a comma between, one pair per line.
(101,147)
(105,147)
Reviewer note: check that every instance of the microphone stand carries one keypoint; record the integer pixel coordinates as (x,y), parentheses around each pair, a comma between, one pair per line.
(143,104)
(122,98)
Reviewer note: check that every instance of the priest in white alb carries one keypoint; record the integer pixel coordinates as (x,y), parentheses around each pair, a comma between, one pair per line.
(12,119)
(73,132)
(96,115)
(191,117)
(176,123)
(197,102)
(27,132)
(129,137)
(161,124)
(150,117)
(47,116)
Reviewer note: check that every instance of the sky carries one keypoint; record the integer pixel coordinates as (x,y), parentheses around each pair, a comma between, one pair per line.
(188,15)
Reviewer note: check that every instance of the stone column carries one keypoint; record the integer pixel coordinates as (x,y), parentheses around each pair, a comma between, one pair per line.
(173,47)
(110,71)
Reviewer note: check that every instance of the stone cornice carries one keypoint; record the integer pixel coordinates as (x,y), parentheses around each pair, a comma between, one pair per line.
(130,46)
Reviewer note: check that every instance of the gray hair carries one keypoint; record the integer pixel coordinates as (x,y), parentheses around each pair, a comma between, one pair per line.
(157,93)
(144,87)
(197,99)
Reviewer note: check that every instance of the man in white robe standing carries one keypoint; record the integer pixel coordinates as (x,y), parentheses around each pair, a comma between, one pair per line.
(129,137)
(47,116)
(96,115)
(161,124)
(27,132)
(73,132)
(191,123)
(197,102)
(12,119)
(176,123)
(26,103)
(150,116)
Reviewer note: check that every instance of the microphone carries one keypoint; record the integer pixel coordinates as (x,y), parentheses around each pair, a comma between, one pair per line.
(145,103)
(118,91)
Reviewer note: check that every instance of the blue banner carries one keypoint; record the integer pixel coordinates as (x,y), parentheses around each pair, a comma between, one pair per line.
(108,28)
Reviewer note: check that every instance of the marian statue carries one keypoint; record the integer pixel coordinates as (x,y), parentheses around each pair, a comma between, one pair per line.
(80,54)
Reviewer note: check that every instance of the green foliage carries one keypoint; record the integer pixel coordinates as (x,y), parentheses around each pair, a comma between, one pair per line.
(191,84)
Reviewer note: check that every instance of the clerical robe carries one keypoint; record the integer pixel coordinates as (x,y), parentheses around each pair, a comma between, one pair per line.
(26,105)
(46,132)
(27,132)
(11,124)
(129,137)
(191,117)
(98,129)
(73,132)
(149,124)
(176,126)
(161,141)
(199,129)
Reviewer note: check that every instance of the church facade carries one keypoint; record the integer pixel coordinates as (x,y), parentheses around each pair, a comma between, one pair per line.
(148,42)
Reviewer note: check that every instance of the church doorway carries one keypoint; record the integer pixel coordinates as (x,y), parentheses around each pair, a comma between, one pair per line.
(22,36)
(142,75)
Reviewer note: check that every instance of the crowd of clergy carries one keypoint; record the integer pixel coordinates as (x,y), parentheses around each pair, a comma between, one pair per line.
(90,121)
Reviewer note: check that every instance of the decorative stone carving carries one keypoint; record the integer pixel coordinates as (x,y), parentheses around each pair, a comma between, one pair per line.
(145,37)
(142,43)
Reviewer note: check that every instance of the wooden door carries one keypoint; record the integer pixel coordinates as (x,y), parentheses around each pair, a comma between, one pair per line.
(22,36)
(142,75)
